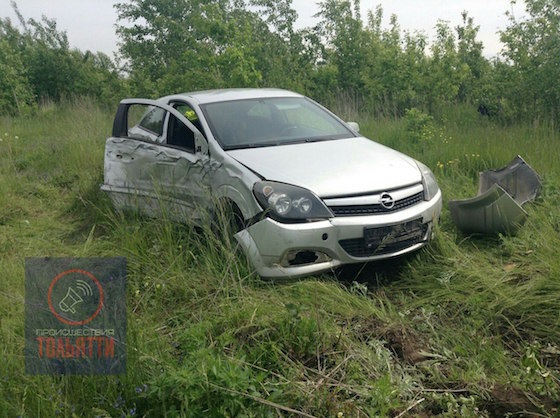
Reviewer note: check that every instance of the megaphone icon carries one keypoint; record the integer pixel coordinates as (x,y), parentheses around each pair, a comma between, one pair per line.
(69,301)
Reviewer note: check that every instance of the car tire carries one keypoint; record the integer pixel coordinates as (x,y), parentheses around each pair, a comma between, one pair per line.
(227,219)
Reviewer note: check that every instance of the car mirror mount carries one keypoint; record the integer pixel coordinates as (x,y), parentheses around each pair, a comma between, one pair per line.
(354,126)
(200,144)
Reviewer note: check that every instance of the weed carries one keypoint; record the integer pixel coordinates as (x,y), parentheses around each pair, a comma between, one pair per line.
(467,327)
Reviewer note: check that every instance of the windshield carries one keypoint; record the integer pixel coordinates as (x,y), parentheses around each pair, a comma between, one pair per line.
(271,121)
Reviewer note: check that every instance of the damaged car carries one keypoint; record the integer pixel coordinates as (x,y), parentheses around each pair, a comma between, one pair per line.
(307,191)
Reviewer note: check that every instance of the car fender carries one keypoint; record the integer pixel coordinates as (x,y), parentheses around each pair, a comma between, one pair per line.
(238,189)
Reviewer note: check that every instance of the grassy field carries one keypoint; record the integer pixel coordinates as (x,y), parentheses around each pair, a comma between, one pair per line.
(467,327)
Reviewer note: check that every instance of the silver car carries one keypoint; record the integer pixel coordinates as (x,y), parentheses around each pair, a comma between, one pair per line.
(309,193)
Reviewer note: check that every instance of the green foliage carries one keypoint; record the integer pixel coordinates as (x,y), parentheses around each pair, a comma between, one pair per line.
(16,95)
(341,25)
(200,44)
(532,47)
(466,327)
(390,71)
(469,52)
(37,64)
(419,126)
(171,46)
(207,384)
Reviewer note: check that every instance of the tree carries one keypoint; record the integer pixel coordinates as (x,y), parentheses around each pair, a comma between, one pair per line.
(174,45)
(37,64)
(16,95)
(469,52)
(447,71)
(341,29)
(532,48)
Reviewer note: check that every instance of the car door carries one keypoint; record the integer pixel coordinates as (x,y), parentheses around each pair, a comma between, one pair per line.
(160,165)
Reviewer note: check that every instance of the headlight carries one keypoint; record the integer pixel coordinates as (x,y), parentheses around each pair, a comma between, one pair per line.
(428,181)
(286,203)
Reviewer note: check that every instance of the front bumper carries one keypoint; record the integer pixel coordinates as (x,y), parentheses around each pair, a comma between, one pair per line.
(279,250)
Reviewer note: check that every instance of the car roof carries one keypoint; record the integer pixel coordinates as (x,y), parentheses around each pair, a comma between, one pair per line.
(225,95)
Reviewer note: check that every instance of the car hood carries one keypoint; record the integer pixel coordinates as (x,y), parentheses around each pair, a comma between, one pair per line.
(333,168)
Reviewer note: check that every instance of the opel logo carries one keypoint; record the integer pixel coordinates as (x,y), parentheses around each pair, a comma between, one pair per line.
(387,201)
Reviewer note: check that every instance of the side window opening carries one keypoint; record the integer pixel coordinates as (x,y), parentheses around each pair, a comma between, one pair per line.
(190,114)
(153,121)
(145,122)
(180,135)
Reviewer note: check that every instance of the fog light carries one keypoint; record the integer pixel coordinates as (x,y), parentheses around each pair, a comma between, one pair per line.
(303,257)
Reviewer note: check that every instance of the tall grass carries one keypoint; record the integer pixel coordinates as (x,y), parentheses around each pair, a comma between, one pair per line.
(467,327)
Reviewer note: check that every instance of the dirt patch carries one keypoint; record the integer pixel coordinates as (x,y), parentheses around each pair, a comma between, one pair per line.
(509,400)
(406,345)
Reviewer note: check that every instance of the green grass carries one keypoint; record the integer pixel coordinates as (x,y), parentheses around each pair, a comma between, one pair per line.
(466,327)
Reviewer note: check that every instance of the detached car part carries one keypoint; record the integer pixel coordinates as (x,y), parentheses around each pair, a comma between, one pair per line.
(492,212)
(498,206)
(518,179)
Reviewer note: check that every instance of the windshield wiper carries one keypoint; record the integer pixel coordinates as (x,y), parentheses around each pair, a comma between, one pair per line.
(324,138)
(246,146)
(278,143)
(306,140)
(319,139)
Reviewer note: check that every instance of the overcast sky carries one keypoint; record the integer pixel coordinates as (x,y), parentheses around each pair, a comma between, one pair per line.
(90,24)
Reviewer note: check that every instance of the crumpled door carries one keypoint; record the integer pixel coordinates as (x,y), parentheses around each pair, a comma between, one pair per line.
(153,177)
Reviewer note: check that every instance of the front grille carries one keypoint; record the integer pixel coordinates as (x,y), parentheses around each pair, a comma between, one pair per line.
(388,239)
(377,208)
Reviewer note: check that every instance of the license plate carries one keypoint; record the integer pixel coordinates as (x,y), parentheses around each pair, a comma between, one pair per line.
(375,237)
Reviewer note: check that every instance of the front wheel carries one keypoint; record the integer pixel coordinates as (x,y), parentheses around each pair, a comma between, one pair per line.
(227,220)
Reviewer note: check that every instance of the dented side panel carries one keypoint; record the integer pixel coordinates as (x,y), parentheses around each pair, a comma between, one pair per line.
(229,180)
(155,177)
(151,173)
